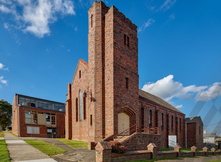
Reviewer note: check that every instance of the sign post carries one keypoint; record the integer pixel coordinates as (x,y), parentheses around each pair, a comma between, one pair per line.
(172,141)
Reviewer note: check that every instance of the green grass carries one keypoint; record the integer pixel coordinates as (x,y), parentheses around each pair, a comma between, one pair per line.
(74,143)
(46,148)
(216,160)
(4,155)
(1,134)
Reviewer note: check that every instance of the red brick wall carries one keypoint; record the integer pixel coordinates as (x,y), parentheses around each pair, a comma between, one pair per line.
(191,134)
(166,124)
(68,115)
(120,62)
(140,141)
(80,128)
(60,123)
(104,80)
(15,116)
(194,136)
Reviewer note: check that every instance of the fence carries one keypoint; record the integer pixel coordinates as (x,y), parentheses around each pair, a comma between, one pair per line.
(104,153)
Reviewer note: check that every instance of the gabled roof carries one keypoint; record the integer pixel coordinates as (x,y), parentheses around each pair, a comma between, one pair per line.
(192,119)
(156,100)
(84,62)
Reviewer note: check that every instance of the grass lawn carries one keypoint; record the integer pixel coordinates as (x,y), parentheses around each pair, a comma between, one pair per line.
(74,143)
(46,148)
(1,134)
(4,155)
(216,160)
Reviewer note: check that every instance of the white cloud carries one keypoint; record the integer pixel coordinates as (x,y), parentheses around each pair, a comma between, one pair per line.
(167,89)
(211,93)
(167,4)
(172,16)
(76,29)
(145,25)
(5,9)
(2,67)
(2,80)
(36,16)
(179,106)
(69,50)
(6,25)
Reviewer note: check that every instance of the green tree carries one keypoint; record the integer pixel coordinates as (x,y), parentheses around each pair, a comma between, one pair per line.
(5,113)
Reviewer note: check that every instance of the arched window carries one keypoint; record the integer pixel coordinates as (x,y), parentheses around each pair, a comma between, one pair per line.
(80,97)
(172,123)
(162,121)
(84,103)
(76,109)
(150,118)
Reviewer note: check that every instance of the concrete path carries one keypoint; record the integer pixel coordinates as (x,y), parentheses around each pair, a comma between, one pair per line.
(72,154)
(195,159)
(20,151)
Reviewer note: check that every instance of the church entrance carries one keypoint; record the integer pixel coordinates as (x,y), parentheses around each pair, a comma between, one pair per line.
(123,123)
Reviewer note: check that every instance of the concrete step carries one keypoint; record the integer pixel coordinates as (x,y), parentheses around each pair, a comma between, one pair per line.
(120,138)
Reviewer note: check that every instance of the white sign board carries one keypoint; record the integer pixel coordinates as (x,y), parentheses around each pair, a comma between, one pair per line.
(209,140)
(172,140)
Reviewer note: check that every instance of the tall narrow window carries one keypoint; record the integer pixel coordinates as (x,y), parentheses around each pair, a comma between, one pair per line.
(90,119)
(172,123)
(84,103)
(156,118)
(142,118)
(79,73)
(162,121)
(150,118)
(80,97)
(127,80)
(92,21)
(128,41)
(180,125)
(76,109)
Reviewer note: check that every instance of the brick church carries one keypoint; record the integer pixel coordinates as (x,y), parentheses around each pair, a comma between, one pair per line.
(104,100)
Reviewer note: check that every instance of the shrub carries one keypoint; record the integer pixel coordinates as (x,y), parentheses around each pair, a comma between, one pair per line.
(117,147)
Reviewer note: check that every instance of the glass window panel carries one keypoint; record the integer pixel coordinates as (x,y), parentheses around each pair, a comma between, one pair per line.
(45,105)
(27,102)
(48,118)
(80,96)
(33,102)
(40,104)
(50,106)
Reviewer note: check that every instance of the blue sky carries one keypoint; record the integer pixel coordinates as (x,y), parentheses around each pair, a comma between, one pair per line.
(179,50)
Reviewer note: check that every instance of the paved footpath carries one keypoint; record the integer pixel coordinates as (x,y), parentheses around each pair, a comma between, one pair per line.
(195,159)
(20,151)
(72,154)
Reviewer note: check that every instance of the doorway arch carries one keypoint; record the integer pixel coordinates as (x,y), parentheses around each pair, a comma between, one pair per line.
(123,122)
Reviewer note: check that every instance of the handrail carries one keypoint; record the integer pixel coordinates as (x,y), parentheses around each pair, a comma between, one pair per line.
(127,131)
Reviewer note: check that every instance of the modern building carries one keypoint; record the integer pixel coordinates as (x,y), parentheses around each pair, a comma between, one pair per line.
(211,138)
(104,100)
(195,134)
(35,117)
